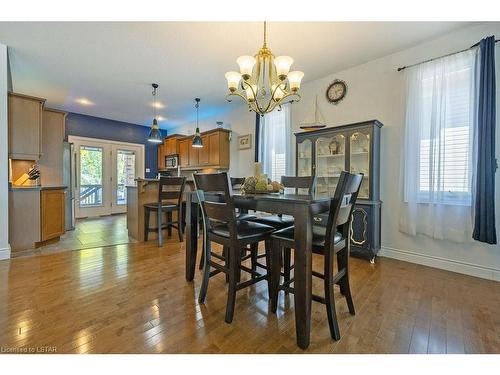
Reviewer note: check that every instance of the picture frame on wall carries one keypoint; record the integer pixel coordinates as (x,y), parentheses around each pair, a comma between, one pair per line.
(245,142)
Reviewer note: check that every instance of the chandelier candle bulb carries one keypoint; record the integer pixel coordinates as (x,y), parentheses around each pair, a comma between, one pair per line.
(283,65)
(233,80)
(246,64)
(294,79)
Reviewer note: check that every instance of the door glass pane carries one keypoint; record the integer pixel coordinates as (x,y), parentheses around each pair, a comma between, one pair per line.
(360,160)
(90,176)
(125,173)
(330,161)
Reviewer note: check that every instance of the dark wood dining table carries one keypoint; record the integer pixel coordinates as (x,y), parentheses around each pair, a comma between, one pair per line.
(302,208)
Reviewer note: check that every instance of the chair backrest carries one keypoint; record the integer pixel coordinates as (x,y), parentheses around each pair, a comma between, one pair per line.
(342,205)
(237,182)
(216,199)
(171,188)
(302,182)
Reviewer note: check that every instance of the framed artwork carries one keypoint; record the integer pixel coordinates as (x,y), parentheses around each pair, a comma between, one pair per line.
(245,142)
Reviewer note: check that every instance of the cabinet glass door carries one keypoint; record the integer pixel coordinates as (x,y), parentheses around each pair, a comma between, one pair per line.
(330,161)
(304,158)
(360,159)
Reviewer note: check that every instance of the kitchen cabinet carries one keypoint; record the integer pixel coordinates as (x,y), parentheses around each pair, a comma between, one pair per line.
(184,147)
(25,126)
(161,156)
(36,214)
(51,161)
(355,147)
(171,144)
(52,213)
(204,152)
(194,160)
(214,154)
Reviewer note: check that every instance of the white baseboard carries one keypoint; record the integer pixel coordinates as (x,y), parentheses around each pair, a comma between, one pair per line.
(5,253)
(442,263)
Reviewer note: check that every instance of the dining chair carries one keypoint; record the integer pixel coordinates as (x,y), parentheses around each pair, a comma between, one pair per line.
(170,192)
(221,226)
(334,239)
(283,221)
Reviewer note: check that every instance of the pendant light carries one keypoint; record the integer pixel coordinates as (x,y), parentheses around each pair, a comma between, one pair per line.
(155,134)
(197,141)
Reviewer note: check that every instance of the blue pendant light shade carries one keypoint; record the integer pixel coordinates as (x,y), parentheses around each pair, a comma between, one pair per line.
(155,133)
(197,141)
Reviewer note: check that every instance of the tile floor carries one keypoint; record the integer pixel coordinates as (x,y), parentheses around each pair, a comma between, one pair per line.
(88,233)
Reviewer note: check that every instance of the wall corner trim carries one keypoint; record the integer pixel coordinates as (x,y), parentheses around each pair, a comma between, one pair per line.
(441,263)
(5,253)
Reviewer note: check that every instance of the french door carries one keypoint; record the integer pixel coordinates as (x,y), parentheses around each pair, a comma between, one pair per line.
(103,170)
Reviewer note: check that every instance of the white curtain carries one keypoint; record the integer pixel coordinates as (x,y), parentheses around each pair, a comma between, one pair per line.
(437,148)
(275,143)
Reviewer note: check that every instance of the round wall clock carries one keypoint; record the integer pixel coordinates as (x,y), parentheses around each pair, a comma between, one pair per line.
(336,91)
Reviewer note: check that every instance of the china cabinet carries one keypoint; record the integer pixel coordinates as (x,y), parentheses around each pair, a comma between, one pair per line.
(355,148)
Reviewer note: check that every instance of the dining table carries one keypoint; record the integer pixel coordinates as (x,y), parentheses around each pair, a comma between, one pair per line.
(303,207)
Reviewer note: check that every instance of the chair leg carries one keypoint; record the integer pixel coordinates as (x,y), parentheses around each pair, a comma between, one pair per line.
(207,248)
(287,265)
(159,220)
(179,223)
(330,299)
(234,270)
(254,251)
(146,224)
(225,254)
(275,273)
(269,267)
(343,263)
(169,223)
(202,260)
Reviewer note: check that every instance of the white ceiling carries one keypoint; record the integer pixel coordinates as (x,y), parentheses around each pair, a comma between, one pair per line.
(113,64)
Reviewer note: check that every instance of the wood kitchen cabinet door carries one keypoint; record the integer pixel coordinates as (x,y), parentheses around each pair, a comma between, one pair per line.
(25,127)
(204,152)
(161,156)
(194,155)
(52,213)
(51,161)
(184,148)
(171,146)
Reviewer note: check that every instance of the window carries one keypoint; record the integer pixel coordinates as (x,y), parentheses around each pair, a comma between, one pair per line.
(274,143)
(438,141)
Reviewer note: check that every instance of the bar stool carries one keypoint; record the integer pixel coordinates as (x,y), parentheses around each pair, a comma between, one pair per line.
(170,192)
(334,239)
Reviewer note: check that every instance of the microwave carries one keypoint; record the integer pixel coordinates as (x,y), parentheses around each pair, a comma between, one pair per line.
(171,161)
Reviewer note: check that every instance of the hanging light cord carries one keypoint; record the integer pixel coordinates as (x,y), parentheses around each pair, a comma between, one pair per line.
(154,100)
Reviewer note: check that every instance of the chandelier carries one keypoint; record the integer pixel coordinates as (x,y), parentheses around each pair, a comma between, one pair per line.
(264,82)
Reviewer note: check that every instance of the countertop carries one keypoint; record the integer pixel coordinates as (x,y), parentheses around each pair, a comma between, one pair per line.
(38,188)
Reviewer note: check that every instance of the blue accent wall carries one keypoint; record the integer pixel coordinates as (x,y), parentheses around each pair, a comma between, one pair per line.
(97,127)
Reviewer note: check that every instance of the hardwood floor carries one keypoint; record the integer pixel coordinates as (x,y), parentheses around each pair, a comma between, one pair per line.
(134,299)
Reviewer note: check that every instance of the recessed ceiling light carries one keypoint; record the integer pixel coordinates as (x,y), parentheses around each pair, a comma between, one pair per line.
(157,105)
(84,101)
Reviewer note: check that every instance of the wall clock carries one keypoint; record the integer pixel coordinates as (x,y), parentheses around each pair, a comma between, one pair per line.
(336,91)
